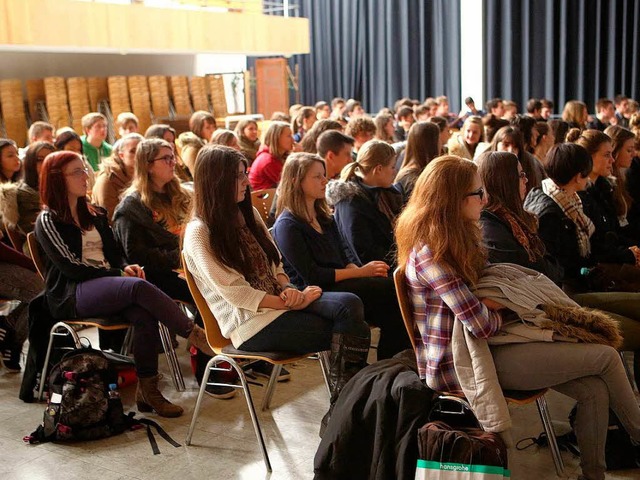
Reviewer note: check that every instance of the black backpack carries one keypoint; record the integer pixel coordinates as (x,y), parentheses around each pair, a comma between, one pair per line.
(84,403)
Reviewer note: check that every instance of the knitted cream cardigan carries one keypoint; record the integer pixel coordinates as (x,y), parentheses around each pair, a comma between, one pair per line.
(231,299)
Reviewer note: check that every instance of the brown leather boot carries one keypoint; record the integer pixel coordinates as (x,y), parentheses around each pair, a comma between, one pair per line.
(149,398)
(198,339)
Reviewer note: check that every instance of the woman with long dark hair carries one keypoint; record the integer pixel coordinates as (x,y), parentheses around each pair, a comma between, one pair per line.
(86,275)
(423,145)
(237,268)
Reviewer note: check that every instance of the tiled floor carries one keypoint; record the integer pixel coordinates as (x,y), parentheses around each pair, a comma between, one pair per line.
(224,445)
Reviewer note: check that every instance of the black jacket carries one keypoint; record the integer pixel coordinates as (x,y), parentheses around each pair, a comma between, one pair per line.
(558,233)
(608,244)
(364,228)
(144,241)
(504,248)
(61,245)
(374,426)
(633,188)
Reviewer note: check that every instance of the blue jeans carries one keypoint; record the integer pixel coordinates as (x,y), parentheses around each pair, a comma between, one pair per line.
(142,304)
(310,330)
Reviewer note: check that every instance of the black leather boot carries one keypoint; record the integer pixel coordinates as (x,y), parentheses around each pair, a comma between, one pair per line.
(348,356)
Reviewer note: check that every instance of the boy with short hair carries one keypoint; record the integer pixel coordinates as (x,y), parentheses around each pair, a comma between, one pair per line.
(361,129)
(335,148)
(94,145)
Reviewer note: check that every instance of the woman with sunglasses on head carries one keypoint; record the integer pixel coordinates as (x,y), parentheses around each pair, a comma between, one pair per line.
(440,247)
(86,275)
(238,269)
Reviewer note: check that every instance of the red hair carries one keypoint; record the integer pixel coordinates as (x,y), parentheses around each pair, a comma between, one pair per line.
(53,190)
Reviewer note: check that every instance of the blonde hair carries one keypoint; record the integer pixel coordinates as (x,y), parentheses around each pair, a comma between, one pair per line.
(476,120)
(178,210)
(574,111)
(370,155)
(272,139)
(433,217)
(290,194)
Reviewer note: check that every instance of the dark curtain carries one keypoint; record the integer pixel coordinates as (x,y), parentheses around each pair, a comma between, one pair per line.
(378,51)
(562,50)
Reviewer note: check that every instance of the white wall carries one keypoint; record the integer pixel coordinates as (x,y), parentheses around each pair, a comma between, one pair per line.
(26,65)
(471,52)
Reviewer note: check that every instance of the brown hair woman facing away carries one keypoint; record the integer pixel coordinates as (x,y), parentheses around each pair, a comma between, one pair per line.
(423,145)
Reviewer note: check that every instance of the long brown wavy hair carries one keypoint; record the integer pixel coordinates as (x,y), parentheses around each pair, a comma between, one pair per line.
(290,194)
(176,212)
(433,217)
(215,203)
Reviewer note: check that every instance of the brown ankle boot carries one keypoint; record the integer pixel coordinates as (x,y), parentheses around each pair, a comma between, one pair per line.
(198,339)
(149,398)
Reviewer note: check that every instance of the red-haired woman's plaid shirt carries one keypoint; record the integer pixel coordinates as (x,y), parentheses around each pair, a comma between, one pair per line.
(439,297)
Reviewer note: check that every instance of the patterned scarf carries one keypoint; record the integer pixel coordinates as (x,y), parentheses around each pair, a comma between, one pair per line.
(261,278)
(571,205)
(527,238)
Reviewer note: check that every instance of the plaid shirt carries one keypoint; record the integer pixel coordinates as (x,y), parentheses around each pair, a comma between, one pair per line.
(439,297)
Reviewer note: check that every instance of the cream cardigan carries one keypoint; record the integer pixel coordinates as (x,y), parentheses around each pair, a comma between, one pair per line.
(231,299)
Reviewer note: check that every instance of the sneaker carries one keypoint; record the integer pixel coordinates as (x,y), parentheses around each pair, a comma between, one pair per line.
(263,368)
(11,360)
(222,393)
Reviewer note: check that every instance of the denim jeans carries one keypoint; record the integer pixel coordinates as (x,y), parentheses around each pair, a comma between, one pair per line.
(381,309)
(140,302)
(310,330)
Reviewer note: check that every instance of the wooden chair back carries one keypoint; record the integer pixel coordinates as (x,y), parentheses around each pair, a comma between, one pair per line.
(400,281)
(34,250)
(214,336)
(262,200)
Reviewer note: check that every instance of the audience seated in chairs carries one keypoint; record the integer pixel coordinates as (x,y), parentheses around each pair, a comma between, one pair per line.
(116,173)
(314,253)
(87,276)
(423,145)
(510,235)
(266,169)
(439,245)
(335,149)
(239,272)
(366,203)
(18,281)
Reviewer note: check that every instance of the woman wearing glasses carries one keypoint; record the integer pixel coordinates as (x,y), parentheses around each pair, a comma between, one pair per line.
(149,221)
(86,275)
(440,246)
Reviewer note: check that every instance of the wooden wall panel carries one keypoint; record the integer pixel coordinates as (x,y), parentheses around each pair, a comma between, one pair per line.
(131,28)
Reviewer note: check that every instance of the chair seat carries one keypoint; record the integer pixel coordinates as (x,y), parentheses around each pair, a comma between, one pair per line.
(104,323)
(520,397)
(272,357)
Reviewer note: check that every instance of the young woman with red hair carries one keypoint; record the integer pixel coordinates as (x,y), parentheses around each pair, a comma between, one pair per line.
(86,275)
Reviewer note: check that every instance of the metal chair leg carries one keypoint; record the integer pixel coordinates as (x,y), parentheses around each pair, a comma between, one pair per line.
(271,386)
(172,358)
(54,333)
(247,396)
(127,343)
(545,417)
(323,358)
